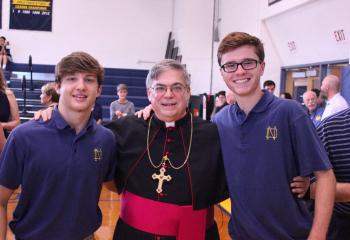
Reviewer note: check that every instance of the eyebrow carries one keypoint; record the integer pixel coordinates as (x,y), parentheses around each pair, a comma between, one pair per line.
(246,59)
(163,85)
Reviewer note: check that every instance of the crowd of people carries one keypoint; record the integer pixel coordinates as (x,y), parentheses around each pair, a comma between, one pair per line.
(171,167)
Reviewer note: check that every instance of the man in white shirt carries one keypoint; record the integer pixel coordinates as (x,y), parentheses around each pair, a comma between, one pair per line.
(335,103)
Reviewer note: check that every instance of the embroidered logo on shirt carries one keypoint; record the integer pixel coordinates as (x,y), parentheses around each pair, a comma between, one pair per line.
(318,117)
(97,154)
(271,133)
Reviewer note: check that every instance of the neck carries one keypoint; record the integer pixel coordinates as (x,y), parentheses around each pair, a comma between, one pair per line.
(122,100)
(169,119)
(331,95)
(51,104)
(246,103)
(76,120)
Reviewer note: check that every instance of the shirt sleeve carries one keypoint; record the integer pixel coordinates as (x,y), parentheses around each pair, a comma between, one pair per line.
(111,158)
(111,111)
(310,153)
(131,109)
(11,163)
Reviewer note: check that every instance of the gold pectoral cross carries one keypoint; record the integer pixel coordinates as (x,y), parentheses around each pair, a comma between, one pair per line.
(161,178)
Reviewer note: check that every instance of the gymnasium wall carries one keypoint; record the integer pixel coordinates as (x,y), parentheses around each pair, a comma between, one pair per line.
(133,34)
(120,34)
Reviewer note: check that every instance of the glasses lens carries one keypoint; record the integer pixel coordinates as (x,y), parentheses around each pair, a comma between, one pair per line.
(159,89)
(250,64)
(177,88)
(230,67)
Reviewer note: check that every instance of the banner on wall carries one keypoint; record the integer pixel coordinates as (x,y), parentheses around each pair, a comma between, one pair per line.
(31,15)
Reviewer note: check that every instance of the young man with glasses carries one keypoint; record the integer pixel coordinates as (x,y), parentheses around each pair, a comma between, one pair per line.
(170,169)
(266,141)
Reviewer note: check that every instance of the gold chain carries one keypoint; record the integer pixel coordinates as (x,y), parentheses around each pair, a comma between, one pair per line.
(167,159)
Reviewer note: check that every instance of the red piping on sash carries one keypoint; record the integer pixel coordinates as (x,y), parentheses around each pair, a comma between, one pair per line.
(165,219)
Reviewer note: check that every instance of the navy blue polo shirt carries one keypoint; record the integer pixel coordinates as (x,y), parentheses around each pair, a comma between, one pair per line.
(61,175)
(262,152)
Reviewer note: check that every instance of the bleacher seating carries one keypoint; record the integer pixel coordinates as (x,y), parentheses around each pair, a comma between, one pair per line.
(135,79)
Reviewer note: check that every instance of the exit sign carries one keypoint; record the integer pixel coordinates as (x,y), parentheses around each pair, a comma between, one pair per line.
(339,35)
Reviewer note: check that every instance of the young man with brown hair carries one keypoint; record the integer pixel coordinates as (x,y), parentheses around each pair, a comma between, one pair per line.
(59,164)
(266,141)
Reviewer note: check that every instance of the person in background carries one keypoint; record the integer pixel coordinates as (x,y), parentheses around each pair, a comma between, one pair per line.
(286,95)
(263,143)
(313,109)
(59,164)
(230,97)
(49,96)
(335,101)
(2,139)
(270,86)
(5,54)
(9,113)
(122,106)
(321,97)
(220,102)
(334,133)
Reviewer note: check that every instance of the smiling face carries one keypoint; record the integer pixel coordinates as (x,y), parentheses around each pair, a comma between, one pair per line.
(243,82)
(170,105)
(78,92)
(310,100)
(122,94)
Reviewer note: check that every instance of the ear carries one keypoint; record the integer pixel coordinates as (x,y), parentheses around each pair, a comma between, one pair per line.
(58,87)
(188,95)
(149,95)
(99,91)
(262,68)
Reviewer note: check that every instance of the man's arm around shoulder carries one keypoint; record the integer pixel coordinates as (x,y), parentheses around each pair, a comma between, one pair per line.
(5,194)
(324,202)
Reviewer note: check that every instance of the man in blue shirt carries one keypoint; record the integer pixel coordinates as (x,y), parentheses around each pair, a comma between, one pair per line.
(314,110)
(266,141)
(59,164)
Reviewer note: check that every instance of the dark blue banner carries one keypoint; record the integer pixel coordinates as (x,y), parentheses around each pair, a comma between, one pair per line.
(31,15)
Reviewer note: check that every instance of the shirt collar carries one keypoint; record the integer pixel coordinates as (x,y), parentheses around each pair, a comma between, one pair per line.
(333,99)
(62,124)
(262,104)
(179,122)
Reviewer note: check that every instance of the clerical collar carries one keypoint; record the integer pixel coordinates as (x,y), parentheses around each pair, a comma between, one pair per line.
(169,124)
(180,122)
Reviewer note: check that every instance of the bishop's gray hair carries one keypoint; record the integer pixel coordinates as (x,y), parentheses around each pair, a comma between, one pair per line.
(163,66)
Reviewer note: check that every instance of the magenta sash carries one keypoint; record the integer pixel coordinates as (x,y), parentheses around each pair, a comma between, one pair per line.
(165,219)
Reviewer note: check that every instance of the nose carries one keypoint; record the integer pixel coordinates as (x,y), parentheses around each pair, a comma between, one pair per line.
(168,92)
(240,69)
(80,83)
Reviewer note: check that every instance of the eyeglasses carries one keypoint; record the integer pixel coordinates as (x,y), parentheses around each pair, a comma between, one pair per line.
(176,89)
(247,64)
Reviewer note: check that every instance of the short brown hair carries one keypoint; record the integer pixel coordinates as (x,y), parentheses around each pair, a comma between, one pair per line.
(122,86)
(78,62)
(235,40)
